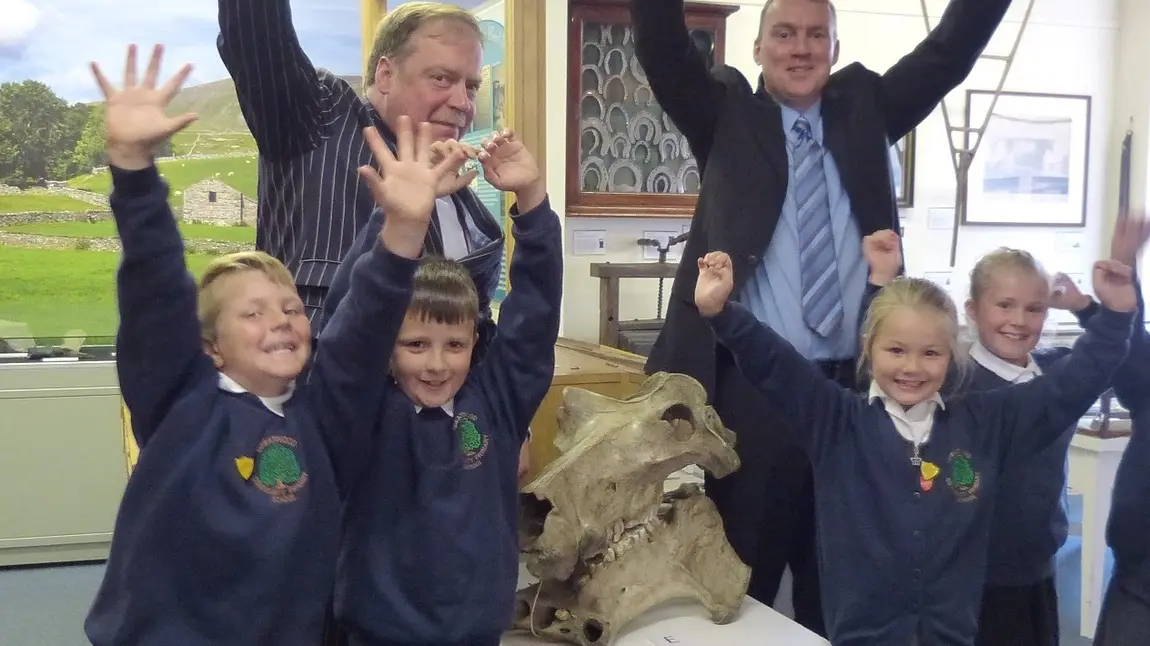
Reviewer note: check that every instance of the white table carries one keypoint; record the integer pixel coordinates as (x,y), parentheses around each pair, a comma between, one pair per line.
(687,624)
(1093,466)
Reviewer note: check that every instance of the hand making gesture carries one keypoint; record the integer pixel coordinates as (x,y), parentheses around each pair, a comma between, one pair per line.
(1065,295)
(405,186)
(509,166)
(716,280)
(452,183)
(1114,286)
(1130,234)
(884,256)
(134,121)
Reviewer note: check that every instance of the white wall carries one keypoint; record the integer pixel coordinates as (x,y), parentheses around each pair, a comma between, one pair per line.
(1068,47)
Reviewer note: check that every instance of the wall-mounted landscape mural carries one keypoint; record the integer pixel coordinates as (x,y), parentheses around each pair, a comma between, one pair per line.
(58,250)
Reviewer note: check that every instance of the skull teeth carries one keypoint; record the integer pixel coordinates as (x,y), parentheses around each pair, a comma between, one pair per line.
(624,536)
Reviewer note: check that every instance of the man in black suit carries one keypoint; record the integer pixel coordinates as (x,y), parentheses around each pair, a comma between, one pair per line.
(793,176)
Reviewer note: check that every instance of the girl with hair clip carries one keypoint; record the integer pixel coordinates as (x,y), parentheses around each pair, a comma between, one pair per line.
(1009,298)
(1125,616)
(904,480)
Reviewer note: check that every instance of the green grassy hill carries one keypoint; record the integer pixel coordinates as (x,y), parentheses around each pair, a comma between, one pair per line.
(217,105)
(38,202)
(241,173)
(221,127)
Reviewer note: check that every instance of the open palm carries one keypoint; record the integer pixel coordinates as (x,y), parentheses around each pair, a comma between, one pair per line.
(405,185)
(507,164)
(134,117)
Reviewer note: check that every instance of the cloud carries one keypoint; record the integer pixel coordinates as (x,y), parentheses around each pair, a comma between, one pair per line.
(187,28)
(20,20)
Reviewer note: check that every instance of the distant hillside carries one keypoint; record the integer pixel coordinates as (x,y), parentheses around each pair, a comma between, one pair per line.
(217,106)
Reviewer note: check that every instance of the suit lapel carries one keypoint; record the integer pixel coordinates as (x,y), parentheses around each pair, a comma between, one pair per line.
(860,155)
(768,129)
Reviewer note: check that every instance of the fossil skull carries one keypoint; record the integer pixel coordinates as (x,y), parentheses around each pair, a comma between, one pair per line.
(600,534)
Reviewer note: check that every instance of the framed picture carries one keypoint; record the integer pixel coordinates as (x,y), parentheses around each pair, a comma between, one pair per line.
(902,162)
(1031,165)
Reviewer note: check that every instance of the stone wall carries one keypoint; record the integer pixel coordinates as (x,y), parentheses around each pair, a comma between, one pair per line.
(228,208)
(88,197)
(12,219)
(109,244)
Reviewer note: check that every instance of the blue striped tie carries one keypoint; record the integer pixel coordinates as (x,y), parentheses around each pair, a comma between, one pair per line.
(822,300)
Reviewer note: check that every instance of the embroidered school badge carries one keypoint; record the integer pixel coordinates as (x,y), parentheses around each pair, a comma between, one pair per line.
(964,481)
(472,442)
(277,469)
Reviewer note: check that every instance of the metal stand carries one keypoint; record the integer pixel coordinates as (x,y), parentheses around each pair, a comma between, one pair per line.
(963,156)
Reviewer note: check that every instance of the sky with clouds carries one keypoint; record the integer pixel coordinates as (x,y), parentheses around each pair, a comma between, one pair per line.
(53,40)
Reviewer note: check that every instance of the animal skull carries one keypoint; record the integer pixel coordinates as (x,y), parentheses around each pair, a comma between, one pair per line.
(600,534)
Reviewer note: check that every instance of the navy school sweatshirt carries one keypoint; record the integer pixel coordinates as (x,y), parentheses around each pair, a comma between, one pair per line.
(228,532)
(1030,523)
(431,551)
(1128,528)
(901,559)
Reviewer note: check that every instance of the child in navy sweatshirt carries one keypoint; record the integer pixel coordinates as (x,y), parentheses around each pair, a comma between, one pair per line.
(905,480)
(1009,298)
(1125,616)
(431,553)
(228,532)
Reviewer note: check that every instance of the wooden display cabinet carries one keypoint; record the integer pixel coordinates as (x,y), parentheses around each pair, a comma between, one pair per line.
(625,157)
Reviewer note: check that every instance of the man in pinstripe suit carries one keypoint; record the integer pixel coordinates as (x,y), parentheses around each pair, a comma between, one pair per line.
(308,124)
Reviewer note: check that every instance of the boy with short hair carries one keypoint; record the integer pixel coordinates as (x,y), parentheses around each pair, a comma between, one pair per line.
(228,531)
(431,553)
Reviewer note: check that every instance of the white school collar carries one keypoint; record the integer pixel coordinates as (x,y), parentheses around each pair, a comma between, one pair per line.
(1005,370)
(448,408)
(274,404)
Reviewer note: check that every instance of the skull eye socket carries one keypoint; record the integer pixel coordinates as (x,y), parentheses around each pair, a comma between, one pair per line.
(681,419)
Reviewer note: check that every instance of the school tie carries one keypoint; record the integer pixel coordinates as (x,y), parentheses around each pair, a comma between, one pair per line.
(822,300)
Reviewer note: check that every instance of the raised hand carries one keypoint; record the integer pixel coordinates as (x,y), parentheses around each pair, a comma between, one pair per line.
(1114,285)
(509,166)
(715,282)
(405,184)
(134,120)
(882,253)
(1065,295)
(1130,235)
(453,183)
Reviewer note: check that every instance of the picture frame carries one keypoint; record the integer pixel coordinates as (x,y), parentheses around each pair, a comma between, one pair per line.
(1030,169)
(902,154)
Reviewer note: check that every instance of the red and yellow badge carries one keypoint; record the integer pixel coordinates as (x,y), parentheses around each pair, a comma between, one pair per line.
(928,471)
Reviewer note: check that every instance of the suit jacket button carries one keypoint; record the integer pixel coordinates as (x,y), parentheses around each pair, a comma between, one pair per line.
(752,259)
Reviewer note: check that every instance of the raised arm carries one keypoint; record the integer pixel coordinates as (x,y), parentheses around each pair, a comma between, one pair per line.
(1132,379)
(520,362)
(522,354)
(350,368)
(914,85)
(677,72)
(349,373)
(158,344)
(364,241)
(280,95)
(816,406)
